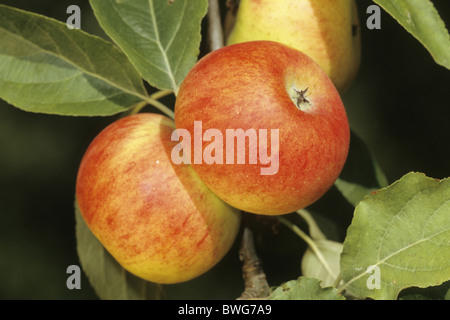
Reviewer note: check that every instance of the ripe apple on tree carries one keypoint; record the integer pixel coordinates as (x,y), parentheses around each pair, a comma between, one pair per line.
(327,31)
(157,219)
(264,85)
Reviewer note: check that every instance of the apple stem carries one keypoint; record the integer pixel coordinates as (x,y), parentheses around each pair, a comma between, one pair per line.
(255,281)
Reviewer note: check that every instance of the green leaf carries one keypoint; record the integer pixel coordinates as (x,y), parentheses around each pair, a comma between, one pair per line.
(160,37)
(441,292)
(312,267)
(304,289)
(421,19)
(401,235)
(361,174)
(46,67)
(109,280)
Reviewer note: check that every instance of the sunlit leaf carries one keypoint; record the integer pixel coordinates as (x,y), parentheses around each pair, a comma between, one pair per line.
(304,289)
(46,67)
(421,19)
(400,235)
(160,37)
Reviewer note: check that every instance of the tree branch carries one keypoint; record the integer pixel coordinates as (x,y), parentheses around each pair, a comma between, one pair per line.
(255,281)
(215,31)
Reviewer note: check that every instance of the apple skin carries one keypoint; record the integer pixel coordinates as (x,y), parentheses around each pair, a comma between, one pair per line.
(158,220)
(326,30)
(252,85)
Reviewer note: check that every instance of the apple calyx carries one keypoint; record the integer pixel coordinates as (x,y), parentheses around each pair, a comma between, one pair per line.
(300,99)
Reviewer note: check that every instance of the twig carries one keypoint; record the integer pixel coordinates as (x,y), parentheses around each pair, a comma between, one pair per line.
(153,100)
(160,106)
(314,229)
(310,243)
(233,6)
(215,31)
(255,281)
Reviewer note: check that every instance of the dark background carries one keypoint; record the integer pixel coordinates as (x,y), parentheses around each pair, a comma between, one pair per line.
(398,105)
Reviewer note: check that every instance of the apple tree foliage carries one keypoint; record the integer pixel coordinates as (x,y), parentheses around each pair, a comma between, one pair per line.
(399,236)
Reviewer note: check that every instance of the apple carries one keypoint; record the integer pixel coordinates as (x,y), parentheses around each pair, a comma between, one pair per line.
(271,95)
(327,31)
(157,219)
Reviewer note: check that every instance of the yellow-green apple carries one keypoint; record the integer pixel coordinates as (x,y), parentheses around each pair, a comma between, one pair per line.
(157,219)
(326,30)
(263,126)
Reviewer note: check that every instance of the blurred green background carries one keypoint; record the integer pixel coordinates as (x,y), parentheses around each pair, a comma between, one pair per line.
(399,105)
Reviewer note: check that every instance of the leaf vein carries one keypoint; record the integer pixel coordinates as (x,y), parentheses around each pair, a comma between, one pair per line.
(94,75)
(163,53)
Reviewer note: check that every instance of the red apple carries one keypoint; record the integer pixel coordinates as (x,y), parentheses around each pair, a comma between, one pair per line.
(157,219)
(263,88)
